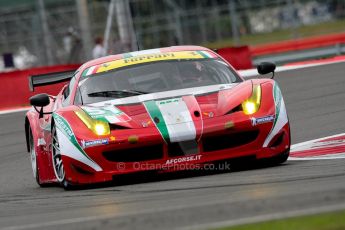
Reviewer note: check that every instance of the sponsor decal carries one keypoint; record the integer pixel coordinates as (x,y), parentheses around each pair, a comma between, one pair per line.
(149,57)
(168,101)
(63,126)
(183,159)
(86,144)
(262,120)
(69,145)
(130,59)
(109,114)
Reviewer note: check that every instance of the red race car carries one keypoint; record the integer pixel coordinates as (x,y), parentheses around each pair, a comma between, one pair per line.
(163,109)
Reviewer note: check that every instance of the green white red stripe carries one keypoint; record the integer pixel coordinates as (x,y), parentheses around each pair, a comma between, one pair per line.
(69,145)
(281,118)
(175,120)
(91,70)
(206,54)
(193,107)
(156,115)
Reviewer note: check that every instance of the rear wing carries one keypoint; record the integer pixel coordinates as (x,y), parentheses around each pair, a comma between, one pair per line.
(49,79)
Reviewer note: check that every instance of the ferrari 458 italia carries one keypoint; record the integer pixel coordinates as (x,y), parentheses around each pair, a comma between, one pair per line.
(156,110)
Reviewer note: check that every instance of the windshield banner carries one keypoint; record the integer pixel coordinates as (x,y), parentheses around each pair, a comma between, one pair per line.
(145,58)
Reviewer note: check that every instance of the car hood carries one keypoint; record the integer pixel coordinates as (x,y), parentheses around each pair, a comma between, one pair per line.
(171,108)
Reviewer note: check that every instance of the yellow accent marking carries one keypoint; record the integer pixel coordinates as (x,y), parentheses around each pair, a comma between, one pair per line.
(149,58)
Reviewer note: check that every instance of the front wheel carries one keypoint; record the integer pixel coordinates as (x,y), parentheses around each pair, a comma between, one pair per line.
(57,159)
(58,165)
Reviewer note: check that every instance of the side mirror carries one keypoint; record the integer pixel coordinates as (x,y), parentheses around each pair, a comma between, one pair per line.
(266,67)
(40,100)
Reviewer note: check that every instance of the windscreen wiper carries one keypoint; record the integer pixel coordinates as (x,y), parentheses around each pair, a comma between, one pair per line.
(116,93)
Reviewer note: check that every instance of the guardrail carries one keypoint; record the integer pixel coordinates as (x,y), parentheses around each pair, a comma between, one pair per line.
(300,49)
(312,54)
(298,44)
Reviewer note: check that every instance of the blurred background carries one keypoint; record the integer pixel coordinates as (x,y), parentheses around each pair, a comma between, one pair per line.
(47,32)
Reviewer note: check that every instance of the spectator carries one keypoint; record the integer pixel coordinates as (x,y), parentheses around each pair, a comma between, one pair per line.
(98,51)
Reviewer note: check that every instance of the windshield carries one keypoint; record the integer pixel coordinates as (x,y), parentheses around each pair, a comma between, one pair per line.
(154,77)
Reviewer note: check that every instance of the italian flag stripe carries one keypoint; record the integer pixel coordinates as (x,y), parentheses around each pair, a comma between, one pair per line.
(178,119)
(85,72)
(202,54)
(277,101)
(66,129)
(280,115)
(95,69)
(155,114)
(193,105)
(90,70)
(205,54)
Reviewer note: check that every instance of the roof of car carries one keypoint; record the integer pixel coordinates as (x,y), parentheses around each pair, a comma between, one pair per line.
(110,58)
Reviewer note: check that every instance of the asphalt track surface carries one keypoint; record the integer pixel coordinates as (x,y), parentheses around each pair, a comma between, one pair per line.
(315,102)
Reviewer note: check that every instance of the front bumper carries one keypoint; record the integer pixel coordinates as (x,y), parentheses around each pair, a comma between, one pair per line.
(130,151)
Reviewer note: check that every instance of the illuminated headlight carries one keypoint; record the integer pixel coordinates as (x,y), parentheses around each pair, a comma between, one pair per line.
(252,104)
(100,128)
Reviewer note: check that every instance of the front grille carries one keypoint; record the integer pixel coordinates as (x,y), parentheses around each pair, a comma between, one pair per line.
(227,141)
(183,148)
(144,153)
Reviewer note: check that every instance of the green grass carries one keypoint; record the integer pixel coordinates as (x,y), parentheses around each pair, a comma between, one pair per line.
(328,221)
(337,26)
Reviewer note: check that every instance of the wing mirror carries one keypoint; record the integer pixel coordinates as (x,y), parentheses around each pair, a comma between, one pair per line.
(266,67)
(40,100)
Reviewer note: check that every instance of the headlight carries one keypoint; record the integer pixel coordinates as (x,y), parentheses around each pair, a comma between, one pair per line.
(252,104)
(98,127)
